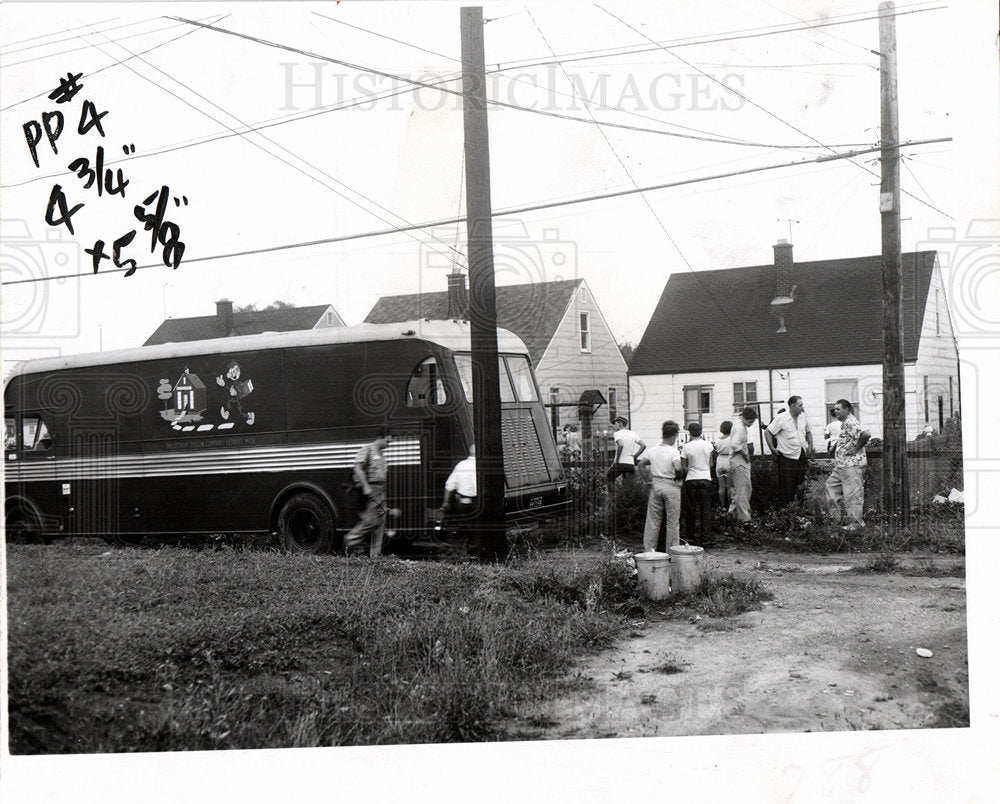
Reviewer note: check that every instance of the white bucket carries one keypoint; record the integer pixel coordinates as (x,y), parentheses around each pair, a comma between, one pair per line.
(654,574)
(685,567)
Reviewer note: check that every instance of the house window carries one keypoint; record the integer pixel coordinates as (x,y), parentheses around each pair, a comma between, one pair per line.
(951,396)
(554,408)
(927,402)
(697,401)
(612,403)
(842,389)
(744,393)
(583,294)
(584,332)
(937,312)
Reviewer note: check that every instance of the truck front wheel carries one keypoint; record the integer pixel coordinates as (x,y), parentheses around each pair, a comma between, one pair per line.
(306,525)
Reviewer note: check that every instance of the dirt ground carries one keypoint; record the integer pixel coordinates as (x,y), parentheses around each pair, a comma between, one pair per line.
(834,650)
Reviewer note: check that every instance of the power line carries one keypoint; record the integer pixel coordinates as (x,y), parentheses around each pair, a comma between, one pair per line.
(766,111)
(502,104)
(75,36)
(496,214)
(273,142)
(87,47)
(109,66)
(656,217)
(59,33)
(571,95)
(588,55)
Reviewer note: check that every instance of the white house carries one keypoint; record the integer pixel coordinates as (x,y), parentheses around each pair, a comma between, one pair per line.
(580,369)
(719,340)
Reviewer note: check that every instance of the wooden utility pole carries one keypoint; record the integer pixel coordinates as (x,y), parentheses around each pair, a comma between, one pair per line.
(895,486)
(482,293)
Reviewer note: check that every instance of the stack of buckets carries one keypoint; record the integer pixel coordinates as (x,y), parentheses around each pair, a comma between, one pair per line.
(675,572)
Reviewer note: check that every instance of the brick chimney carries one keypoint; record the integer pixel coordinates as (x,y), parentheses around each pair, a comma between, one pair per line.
(458,296)
(784,290)
(224,317)
(783,270)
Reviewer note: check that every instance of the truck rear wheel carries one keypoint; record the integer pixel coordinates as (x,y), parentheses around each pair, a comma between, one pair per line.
(22,526)
(306,525)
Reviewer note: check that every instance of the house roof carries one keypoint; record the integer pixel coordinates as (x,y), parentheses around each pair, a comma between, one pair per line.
(204,327)
(721,320)
(533,312)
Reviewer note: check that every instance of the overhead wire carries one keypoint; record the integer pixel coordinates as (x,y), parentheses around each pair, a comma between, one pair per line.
(56,33)
(589,55)
(494,102)
(757,105)
(520,210)
(117,62)
(652,211)
(273,142)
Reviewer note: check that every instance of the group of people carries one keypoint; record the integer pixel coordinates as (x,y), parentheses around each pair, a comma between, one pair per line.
(681,477)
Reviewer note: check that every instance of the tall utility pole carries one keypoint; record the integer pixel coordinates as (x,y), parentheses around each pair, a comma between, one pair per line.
(482,293)
(895,486)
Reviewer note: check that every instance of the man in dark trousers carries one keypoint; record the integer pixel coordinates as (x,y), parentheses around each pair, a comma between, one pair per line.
(790,440)
(696,494)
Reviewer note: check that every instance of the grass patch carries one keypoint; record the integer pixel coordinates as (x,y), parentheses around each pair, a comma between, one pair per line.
(670,666)
(174,649)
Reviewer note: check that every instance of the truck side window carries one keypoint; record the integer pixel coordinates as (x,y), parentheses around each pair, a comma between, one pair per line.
(36,435)
(10,436)
(464,364)
(425,386)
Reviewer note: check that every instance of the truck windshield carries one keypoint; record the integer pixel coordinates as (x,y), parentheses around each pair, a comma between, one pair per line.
(523,387)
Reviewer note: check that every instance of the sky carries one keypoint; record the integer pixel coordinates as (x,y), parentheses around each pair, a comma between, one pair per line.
(294,123)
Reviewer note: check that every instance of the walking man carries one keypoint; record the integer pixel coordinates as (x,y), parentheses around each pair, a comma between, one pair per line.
(628,447)
(696,495)
(847,480)
(790,440)
(369,478)
(739,465)
(664,462)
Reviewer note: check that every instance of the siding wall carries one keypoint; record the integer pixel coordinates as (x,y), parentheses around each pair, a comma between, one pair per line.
(937,360)
(565,367)
(656,398)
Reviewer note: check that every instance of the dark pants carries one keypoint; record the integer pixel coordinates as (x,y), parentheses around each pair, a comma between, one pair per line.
(791,473)
(620,469)
(696,505)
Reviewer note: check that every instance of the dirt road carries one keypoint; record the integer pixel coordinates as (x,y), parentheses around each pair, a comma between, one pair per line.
(834,650)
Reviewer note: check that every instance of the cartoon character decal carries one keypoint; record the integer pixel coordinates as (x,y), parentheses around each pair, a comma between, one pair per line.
(186,400)
(236,390)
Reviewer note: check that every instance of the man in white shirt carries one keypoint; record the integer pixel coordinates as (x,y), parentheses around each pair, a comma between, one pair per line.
(664,462)
(790,440)
(460,486)
(696,496)
(628,447)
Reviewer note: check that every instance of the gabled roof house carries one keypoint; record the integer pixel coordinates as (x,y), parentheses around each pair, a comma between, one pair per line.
(225,323)
(721,339)
(580,369)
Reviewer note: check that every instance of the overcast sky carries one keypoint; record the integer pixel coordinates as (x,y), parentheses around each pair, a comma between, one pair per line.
(189,94)
(652,92)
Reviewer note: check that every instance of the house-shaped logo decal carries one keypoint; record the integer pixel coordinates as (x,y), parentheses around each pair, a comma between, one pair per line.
(189,399)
